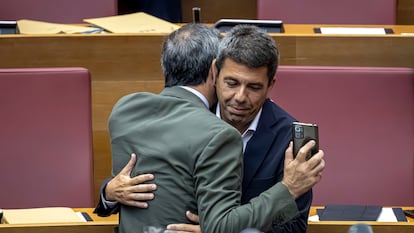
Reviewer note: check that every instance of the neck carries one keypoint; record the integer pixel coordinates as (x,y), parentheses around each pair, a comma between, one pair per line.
(211,98)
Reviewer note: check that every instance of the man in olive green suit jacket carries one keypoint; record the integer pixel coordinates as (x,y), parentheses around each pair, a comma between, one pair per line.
(196,158)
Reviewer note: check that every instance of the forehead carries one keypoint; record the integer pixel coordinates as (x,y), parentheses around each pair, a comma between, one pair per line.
(243,73)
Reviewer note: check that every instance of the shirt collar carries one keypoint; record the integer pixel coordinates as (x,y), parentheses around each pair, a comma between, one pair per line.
(197,93)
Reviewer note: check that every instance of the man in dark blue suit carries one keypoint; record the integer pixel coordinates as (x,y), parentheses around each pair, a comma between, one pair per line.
(246,66)
(245,69)
(264,161)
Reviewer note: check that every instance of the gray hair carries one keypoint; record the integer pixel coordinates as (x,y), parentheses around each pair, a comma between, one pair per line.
(187,54)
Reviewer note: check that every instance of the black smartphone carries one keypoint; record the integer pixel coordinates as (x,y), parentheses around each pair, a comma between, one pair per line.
(302,133)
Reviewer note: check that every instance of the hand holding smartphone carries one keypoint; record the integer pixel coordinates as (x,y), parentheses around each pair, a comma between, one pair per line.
(302,133)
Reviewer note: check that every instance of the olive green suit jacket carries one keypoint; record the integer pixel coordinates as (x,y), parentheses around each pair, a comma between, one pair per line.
(197,162)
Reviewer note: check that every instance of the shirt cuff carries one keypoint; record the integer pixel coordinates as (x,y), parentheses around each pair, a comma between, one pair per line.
(108,204)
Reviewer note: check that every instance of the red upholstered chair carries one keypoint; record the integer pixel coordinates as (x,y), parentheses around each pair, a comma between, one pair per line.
(62,11)
(366,128)
(329,11)
(45,138)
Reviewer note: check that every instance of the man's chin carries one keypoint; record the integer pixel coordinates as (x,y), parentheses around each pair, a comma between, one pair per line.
(236,119)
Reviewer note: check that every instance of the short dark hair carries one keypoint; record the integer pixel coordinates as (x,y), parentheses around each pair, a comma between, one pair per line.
(187,54)
(251,46)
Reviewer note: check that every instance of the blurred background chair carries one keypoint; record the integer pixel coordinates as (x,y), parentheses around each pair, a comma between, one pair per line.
(329,11)
(45,138)
(366,128)
(62,11)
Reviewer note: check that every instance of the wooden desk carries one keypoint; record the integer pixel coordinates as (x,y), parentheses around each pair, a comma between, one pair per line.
(107,224)
(98,225)
(343,226)
(300,46)
(125,63)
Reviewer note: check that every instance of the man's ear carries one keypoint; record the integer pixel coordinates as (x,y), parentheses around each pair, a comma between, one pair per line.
(213,71)
(271,85)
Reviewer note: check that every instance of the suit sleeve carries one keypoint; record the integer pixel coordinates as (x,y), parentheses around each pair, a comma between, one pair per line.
(101,209)
(298,224)
(218,185)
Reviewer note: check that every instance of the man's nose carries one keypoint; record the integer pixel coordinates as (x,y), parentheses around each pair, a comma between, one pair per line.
(241,94)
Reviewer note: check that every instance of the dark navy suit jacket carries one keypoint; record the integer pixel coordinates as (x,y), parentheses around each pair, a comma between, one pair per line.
(264,162)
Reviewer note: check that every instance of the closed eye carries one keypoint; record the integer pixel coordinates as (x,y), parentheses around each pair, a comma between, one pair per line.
(255,86)
(231,82)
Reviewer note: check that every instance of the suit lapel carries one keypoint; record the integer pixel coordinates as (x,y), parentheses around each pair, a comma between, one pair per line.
(259,144)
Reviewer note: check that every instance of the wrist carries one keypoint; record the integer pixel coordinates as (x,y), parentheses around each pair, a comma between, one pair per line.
(290,189)
(107,193)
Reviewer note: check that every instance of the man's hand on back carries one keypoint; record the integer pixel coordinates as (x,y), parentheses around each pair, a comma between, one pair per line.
(130,191)
(187,228)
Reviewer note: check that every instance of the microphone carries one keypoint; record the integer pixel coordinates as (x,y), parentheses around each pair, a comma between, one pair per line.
(196,14)
(360,228)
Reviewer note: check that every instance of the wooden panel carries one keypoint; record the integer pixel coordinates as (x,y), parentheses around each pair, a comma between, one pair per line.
(105,95)
(211,11)
(405,12)
(300,46)
(106,56)
(346,51)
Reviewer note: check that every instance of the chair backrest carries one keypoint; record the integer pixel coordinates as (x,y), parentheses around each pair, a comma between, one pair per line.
(329,11)
(366,129)
(45,138)
(62,11)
